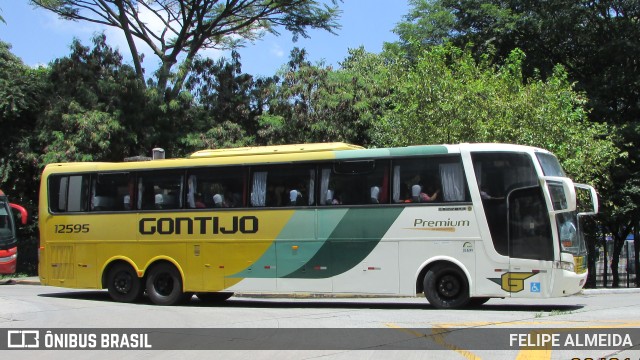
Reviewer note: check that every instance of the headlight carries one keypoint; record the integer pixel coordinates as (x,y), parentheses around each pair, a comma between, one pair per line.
(565,265)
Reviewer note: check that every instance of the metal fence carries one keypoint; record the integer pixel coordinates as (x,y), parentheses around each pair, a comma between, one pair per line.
(626,269)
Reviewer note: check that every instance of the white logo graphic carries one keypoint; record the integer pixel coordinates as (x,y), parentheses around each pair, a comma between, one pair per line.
(22,339)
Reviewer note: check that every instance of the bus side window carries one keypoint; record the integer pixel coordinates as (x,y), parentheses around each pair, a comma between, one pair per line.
(160,190)
(359,182)
(111,192)
(215,187)
(68,193)
(428,180)
(283,185)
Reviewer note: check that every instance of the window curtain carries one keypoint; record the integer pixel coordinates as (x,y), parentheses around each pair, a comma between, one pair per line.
(452,177)
(140,193)
(181,193)
(259,189)
(324,186)
(311,187)
(396,184)
(191,195)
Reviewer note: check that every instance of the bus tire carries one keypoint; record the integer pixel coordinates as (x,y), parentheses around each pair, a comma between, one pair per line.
(214,297)
(446,287)
(123,283)
(164,285)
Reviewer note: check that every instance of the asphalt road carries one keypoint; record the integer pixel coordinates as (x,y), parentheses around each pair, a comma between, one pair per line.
(386,322)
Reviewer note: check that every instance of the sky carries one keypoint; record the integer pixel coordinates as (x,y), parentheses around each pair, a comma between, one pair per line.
(38,36)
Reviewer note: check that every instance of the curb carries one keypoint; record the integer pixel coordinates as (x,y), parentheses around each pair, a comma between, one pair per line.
(610,291)
(21,281)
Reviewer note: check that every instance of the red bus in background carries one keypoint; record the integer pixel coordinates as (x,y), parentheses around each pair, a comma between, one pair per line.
(8,237)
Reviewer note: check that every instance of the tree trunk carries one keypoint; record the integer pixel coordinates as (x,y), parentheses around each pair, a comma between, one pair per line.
(605,268)
(132,45)
(592,256)
(164,72)
(618,242)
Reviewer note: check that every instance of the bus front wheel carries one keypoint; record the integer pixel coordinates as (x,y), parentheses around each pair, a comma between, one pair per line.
(446,287)
(164,285)
(123,283)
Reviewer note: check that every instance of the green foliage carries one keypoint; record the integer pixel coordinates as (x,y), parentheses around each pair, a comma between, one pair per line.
(448,97)
(81,135)
(597,42)
(94,107)
(224,135)
(315,103)
(21,95)
(227,105)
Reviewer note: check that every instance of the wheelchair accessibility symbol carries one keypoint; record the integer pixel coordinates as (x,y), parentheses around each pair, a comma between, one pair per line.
(535,287)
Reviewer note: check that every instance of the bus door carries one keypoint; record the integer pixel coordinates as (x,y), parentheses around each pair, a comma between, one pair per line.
(518,220)
(530,243)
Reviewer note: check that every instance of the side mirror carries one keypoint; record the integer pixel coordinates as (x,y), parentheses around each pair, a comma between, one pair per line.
(24,215)
(562,193)
(593,196)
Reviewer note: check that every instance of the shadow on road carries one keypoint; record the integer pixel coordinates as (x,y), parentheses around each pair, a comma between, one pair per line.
(328,303)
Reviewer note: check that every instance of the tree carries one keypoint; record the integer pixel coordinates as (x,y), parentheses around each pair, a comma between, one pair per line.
(597,42)
(21,99)
(189,26)
(315,103)
(21,96)
(228,103)
(93,109)
(448,97)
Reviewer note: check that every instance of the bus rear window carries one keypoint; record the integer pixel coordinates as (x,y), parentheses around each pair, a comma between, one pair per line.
(68,193)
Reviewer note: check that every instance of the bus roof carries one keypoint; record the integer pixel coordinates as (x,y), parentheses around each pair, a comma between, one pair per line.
(282,154)
(274,149)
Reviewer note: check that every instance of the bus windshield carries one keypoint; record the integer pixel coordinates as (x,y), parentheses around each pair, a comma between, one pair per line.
(571,237)
(7,236)
(550,165)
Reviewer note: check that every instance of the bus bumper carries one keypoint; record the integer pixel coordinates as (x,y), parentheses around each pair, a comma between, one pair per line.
(8,261)
(567,283)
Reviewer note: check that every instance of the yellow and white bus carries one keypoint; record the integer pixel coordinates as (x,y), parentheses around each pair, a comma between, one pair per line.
(459,223)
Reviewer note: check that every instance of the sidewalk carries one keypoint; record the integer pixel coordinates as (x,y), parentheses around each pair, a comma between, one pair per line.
(34,280)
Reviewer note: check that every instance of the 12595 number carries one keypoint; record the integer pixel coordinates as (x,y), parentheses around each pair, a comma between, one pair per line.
(72,229)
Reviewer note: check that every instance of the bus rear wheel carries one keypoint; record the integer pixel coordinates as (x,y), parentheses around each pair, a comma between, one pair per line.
(164,285)
(123,283)
(446,287)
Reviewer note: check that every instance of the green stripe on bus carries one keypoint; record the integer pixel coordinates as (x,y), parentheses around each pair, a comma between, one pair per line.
(295,245)
(362,154)
(419,150)
(352,240)
(386,153)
